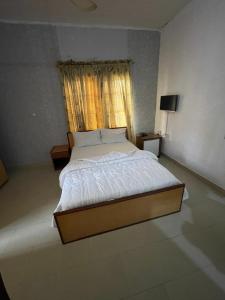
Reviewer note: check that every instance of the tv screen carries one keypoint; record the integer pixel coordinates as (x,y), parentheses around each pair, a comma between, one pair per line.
(169,102)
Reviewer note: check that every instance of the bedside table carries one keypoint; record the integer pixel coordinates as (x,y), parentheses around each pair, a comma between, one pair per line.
(3,174)
(60,155)
(150,142)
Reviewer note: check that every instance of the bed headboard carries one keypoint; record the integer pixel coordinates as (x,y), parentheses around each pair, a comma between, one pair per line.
(71,141)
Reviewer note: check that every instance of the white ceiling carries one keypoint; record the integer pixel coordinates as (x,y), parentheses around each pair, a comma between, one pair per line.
(152,14)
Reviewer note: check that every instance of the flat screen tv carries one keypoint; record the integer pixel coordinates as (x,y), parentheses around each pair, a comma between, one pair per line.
(169,102)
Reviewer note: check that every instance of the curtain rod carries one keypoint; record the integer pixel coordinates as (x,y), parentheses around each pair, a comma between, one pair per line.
(95,62)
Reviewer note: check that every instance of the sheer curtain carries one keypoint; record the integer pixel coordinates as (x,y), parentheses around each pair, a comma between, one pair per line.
(98,95)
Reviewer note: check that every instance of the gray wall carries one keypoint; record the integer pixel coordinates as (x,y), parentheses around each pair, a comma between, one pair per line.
(143,48)
(192,64)
(32,113)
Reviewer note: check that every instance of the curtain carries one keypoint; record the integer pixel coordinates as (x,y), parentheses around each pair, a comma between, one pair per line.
(98,96)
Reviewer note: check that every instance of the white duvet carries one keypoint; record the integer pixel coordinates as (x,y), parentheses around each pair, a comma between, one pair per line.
(110,176)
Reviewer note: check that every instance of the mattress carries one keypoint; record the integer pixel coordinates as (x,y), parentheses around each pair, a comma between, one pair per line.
(102,149)
(91,179)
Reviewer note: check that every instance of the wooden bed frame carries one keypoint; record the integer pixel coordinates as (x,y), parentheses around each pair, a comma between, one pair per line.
(78,223)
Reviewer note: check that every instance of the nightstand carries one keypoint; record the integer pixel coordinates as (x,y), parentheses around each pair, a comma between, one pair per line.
(149,142)
(60,155)
(3,174)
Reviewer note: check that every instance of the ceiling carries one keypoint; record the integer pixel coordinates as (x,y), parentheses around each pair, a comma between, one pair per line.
(152,14)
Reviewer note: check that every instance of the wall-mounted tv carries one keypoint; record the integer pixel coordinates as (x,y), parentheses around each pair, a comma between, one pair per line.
(169,102)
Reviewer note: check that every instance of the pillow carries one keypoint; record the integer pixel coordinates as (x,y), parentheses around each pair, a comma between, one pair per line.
(117,135)
(87,138)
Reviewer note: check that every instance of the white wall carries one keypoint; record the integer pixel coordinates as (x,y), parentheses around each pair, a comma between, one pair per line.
(192,64)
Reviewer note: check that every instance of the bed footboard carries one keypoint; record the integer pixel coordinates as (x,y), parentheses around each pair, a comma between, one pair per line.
(79,223)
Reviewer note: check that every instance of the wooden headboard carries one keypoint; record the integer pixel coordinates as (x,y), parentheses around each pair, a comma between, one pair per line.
(71,141)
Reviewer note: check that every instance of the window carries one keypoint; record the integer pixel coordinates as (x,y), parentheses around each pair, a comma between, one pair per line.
(98,95)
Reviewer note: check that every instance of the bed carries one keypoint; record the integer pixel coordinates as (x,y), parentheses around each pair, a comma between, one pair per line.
(110,186)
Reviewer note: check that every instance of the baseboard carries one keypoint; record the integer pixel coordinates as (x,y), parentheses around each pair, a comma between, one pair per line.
(196,174)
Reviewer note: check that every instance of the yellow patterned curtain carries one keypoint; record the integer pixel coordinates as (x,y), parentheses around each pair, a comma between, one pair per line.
(98,95)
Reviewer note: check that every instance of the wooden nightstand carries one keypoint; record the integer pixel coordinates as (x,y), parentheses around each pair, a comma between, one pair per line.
(3,174)
(60,155)
(150,142)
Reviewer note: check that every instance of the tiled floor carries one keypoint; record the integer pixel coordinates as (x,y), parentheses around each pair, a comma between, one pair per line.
(178,257)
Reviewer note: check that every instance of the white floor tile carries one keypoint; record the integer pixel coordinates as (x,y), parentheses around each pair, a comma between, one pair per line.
(157,293)
(208,284)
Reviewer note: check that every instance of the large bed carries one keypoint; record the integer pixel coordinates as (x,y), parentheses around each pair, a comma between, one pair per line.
(110,186)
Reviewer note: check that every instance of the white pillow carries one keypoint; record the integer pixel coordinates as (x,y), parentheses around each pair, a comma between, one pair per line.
(117,135)
(87,138)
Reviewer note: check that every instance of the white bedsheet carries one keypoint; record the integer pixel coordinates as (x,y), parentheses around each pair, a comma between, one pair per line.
(102,149)
(111,176)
